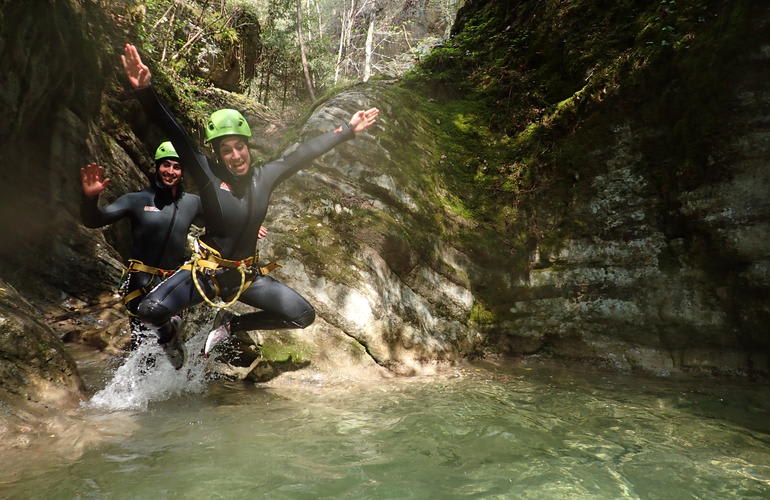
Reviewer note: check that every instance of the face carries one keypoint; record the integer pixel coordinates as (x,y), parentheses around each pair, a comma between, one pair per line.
(234,153)
(170,172)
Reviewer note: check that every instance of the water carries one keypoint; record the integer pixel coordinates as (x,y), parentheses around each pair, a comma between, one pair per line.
(146,377)
(485,432)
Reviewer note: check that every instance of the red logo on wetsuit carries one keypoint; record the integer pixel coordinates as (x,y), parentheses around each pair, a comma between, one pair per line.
(338,129)
(225,186)
(150,208)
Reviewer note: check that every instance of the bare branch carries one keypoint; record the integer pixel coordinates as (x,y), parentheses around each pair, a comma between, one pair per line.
(161,18)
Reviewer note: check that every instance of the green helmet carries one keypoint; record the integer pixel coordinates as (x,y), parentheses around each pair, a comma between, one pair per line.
(165,150)
(226,122)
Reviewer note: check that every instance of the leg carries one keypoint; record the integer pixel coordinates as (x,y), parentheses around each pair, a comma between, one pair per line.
(174,294)
(281,307)
(136,281)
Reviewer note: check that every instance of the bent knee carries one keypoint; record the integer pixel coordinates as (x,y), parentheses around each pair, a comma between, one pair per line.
(305,319)
(153,312)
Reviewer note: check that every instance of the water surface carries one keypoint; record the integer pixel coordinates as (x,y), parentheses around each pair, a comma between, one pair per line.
(484,432)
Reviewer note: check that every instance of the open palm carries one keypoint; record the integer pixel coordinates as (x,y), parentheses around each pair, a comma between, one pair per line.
(363,119)
(92,180)
(137,72)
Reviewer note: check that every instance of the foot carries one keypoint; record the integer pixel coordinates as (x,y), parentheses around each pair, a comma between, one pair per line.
(220,331)
(173,348)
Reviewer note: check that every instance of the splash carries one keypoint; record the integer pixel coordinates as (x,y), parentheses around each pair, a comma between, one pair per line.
(147,376)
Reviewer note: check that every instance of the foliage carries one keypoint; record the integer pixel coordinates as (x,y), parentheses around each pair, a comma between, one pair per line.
(180,34)
(545,77)
(527,98)
(253,47)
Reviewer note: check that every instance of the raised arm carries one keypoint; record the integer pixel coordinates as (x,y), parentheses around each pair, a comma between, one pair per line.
(308,151)
(93,183)
(140,78)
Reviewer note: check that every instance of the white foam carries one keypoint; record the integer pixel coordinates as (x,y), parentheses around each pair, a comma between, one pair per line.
(134,385)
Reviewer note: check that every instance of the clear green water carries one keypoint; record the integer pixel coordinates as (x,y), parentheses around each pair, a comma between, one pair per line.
(486,433)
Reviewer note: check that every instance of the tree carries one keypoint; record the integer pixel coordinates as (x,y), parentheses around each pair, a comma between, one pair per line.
(345,30)
(302,51)
(368,49)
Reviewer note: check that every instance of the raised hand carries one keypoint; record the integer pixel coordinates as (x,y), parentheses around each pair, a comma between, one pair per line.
(92,180)
(361,120)
(137,72)
(262,232)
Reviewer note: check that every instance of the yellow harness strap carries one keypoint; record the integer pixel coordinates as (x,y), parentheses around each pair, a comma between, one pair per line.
(204,257)
(132,295)
(137,266)
(268,268)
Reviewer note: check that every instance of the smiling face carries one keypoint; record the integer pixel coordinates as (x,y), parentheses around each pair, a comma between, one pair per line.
(170,172)
(234,153)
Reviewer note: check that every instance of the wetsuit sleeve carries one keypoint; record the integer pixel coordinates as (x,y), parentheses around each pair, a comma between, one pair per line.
(191,158)
(94,216)
(279,170)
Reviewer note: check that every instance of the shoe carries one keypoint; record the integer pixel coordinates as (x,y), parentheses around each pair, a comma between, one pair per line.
(173,348)
(220,331)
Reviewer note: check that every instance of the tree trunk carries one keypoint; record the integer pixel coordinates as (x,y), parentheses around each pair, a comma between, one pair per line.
(267,80)
(309,33)
(347,22)
(368,57)
(318,15)
(285,88)
(302,52)
(170,38)
(450,11)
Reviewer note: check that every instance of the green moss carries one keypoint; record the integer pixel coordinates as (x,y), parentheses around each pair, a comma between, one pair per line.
(521,105)
(285,348)
(480,315)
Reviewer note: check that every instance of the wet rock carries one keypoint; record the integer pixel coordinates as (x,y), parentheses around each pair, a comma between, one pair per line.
(37,376)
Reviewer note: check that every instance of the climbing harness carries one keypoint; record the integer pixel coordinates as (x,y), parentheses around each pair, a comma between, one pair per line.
(208,259)
(137,266)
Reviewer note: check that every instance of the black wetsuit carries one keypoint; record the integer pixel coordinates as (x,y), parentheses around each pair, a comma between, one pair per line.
(233,210)
(159,227)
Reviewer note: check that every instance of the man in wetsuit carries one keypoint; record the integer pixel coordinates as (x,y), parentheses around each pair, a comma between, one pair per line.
(235,197)
(160,216)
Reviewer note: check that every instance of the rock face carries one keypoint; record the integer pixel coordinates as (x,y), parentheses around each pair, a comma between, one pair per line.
(358,236)
(660,264)
(364,236)
(648,247)
(649,274)
(34,365)
(231,65)
(35,371)
(55,66)
(632,295)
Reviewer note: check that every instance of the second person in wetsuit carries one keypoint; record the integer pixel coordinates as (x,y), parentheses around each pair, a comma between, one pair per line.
(160,216)
(235,198)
